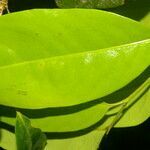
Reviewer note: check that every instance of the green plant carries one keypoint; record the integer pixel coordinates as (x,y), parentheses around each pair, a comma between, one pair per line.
(71,78)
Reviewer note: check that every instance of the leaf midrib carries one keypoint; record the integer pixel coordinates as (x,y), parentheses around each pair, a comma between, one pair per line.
(99,51)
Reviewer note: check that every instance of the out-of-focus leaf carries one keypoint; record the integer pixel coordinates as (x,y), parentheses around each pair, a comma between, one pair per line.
(67,123)
(89,3)
(136,108)
(135,9)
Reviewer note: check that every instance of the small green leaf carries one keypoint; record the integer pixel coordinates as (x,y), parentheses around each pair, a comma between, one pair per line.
(89,3)
(27,137)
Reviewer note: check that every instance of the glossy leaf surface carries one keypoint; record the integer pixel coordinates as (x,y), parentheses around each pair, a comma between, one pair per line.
(39,68)
(89,3)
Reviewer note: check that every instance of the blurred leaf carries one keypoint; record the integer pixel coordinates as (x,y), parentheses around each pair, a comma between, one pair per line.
(89,3)
(137,113)
(146,20)
(134,9)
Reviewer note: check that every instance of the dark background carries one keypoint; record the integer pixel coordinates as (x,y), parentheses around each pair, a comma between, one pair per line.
(131,138)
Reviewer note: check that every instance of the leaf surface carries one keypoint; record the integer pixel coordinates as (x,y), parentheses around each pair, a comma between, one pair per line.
(39,68)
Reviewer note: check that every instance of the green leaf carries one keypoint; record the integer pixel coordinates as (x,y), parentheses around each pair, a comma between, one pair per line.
(27,137)
(89,3)
(39,68)
(66,123)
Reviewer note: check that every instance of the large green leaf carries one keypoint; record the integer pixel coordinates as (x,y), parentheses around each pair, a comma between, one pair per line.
(89,3)
(65,60)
